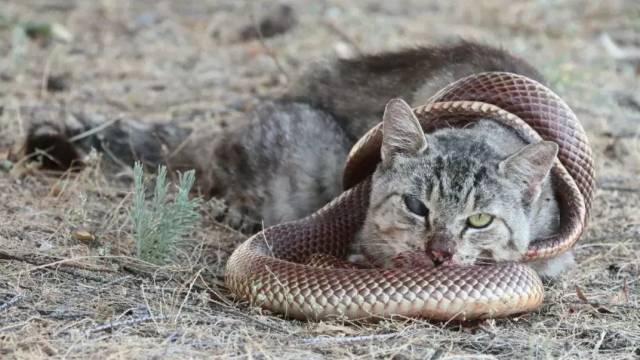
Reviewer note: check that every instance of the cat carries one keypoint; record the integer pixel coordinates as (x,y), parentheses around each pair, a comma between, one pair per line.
(286,162)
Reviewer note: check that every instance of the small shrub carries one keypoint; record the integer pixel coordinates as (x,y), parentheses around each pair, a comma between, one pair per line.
(159,224)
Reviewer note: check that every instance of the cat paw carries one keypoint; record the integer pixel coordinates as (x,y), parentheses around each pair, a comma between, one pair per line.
(49,143)
(54,136)
(221,212)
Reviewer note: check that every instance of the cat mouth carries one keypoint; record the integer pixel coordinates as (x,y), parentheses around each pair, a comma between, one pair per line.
(441,257)
(425,258)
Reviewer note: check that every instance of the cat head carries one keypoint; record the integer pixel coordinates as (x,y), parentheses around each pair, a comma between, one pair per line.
(458,194)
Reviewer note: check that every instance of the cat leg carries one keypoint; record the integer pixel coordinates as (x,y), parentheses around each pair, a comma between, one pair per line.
(282,164)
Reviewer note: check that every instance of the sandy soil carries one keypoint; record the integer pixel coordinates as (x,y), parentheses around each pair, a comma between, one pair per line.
(62,295)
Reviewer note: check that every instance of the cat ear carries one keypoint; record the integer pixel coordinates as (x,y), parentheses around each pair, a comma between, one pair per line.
(530,165)
(401,131)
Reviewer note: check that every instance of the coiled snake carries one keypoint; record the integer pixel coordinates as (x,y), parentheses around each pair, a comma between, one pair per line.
(271,269)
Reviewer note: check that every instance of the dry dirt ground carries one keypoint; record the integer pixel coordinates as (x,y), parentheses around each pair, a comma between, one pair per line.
(67,296)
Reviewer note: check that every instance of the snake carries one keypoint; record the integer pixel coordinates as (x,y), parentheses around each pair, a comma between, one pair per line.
(272,270)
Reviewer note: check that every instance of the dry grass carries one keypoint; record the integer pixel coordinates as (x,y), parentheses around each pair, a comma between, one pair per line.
(66,295)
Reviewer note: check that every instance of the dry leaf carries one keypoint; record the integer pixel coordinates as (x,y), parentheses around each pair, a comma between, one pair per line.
(594,306)
(325,327)
(580,295)
(622,296)
(83,235)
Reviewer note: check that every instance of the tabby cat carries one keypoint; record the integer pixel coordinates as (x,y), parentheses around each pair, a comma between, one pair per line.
(471,195)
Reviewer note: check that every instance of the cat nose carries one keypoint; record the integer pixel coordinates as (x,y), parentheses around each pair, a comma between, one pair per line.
(440,247)
(440,257)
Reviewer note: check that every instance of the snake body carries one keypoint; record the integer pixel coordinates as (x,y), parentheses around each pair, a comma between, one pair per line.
(270,268)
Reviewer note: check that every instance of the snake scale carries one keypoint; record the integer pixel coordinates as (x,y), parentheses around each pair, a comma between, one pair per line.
(271,268)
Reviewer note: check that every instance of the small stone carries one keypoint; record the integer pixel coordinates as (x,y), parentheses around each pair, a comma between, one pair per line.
(56,83)
(47,31)
(277,21)
(344,50)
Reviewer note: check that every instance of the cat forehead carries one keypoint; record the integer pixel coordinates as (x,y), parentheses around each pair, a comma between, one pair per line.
(457,158)
(474,158)
(460,145)
(452,173)
(456,171)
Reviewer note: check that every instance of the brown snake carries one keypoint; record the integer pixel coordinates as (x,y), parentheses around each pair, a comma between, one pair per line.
(270,268)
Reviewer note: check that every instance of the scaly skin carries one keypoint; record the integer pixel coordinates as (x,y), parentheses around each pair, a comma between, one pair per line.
(269,268)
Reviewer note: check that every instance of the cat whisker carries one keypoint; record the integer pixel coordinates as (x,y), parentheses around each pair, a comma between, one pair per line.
(485,261)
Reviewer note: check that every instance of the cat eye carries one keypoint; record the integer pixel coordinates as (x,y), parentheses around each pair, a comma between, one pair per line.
(479,221)
(415,205)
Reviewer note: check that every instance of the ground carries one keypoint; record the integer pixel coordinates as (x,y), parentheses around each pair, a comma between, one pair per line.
(64,293)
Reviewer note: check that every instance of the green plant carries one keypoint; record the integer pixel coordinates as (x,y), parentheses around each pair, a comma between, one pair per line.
(159,224)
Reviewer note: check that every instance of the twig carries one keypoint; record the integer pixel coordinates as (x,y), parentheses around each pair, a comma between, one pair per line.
(438,354)
(180,147)
(11,302)
(252,319)
(344,36)
(47,71)
(75,273)
(186,296)
(114,281)
(63,315)
(594,352)
(13,326)
(94,130)
(268,50)
(43,261)
(347,339)
(151,272)
(229,307)
(597,305)
(618,188)
(616,51)
(111,325)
